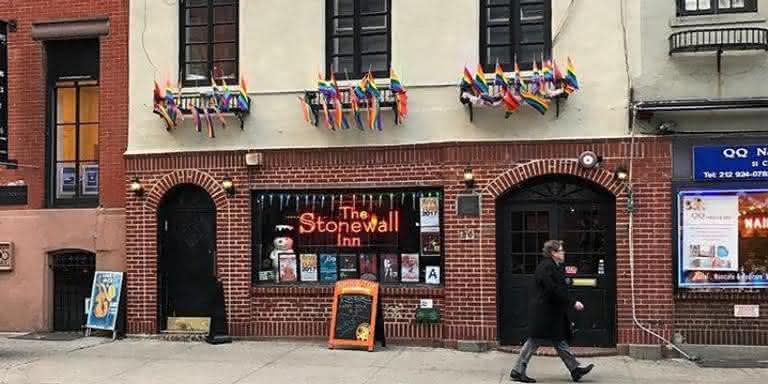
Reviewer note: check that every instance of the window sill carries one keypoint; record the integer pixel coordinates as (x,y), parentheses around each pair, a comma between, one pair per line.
(733,294)
(306,289)
(721,19)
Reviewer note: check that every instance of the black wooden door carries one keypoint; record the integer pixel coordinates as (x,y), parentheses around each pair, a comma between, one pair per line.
(72,280)
(187,242)
(569,209)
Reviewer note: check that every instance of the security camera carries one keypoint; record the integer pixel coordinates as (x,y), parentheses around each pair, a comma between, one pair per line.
(666,126)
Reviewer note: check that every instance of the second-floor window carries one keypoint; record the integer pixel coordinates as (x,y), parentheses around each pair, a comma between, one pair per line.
(358,37)
(708,7)
(209,41)
(514,29)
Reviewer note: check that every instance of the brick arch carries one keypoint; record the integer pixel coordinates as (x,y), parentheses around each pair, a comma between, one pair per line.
(520,173)
(187,176)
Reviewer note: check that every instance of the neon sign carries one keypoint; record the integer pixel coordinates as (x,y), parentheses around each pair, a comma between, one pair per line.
(350,225)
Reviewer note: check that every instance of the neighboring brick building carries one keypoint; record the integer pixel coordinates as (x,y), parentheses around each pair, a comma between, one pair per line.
(62,184)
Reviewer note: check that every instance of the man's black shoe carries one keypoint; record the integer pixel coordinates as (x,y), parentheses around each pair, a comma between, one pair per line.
(579,372)
(516,376)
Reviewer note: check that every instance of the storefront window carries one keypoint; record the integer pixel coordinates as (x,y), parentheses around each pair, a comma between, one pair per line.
(390,236)
(723,239)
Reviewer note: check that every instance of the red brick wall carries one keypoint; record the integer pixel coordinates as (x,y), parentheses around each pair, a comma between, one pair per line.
(707,318)
(468,298)
(27,93)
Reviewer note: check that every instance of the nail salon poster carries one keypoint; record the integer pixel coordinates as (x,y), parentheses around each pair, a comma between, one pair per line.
(710,233)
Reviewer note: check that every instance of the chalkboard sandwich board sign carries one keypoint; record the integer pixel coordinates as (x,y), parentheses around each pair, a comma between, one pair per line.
(353,319)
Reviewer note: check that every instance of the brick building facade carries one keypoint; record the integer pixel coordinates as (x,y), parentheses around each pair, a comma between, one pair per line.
(468,298)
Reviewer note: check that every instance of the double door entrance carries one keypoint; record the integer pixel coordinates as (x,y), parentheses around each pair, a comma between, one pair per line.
(583,216)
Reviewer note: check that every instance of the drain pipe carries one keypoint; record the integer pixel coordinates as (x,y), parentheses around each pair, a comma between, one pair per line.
(631,213)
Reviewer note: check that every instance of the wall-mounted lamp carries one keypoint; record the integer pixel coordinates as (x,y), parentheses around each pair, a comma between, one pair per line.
(136,187)
(229,186)
(621,173)
(469,178)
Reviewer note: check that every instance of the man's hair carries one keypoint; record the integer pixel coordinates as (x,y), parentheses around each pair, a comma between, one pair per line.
(551,246)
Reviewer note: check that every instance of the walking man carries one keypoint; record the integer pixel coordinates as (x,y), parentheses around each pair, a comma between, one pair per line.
(549,323)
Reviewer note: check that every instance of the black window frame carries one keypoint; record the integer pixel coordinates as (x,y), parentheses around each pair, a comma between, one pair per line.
(356,72)
(515,25)
(69,61)
(750,6)
(78,200)
(4,135)
(210,5)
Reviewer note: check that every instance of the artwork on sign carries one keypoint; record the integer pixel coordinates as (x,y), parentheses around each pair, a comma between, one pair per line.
(738,162)
(6,256)
(368,266)
(328,267)
(347,266)
(432,274)
(409,268)
(308,267)
(430,241)
(720,238)
(287,262)
(390,268)
(429,212)
(90,174)
(105,300)
(354,314)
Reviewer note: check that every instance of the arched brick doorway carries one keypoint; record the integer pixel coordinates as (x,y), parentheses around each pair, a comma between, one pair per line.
(186,253)
(569,208)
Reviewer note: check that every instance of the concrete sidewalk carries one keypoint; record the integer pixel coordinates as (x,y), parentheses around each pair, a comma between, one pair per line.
(96,360)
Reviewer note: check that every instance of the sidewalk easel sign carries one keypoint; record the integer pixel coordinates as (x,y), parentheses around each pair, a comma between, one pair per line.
(105,302)
(354,314)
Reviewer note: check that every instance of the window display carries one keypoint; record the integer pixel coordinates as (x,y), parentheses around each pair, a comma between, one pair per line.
(723,239)
(390,236)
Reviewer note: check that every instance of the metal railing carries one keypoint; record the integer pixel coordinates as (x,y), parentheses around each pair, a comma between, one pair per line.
(315,105)
(719,40)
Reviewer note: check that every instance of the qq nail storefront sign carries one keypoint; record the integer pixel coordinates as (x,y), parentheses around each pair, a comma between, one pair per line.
(721,235)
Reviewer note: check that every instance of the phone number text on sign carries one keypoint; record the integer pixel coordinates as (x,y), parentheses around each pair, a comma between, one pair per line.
(735,175)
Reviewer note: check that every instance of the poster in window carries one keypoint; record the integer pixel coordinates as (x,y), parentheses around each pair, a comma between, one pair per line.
(328,267)
(287,263)
(409,268)
(308,267)
(348,266)
(368,266)
(710,233)
(66,179)
(429,212)
(90,179)
(430,241)
(390,268)
(432,274)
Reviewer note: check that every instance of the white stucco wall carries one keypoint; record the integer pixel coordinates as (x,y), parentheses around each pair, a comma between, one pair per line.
(282,47)
(661,76)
